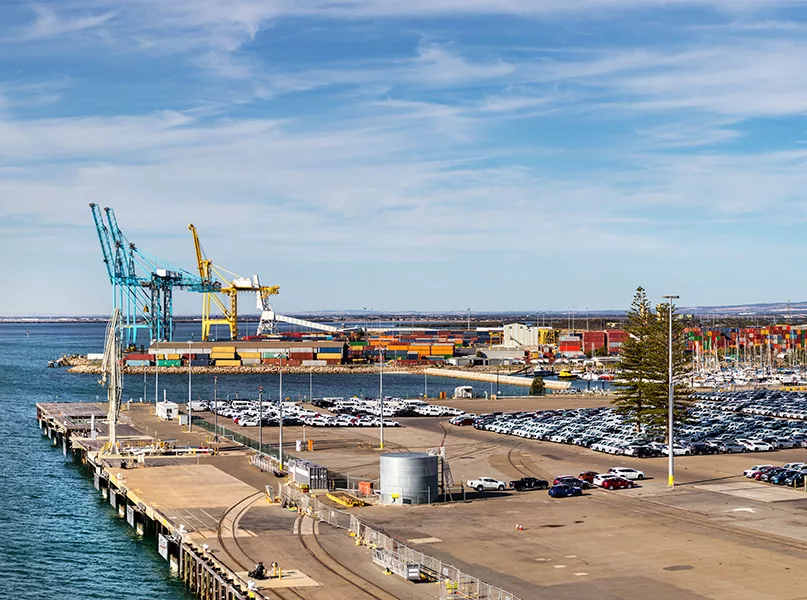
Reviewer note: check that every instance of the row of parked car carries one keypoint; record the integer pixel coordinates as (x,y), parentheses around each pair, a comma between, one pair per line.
(792,474)
(564,485)
(393,407)
(708,430)
(249,413)
(771,403)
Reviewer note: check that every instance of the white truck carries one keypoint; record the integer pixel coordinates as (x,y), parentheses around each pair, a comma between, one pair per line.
(486,483)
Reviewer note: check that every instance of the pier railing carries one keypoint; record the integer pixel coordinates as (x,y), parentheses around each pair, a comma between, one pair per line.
(392,552)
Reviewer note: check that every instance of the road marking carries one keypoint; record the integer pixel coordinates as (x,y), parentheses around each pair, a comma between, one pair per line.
(571,556)
(748,510)
(559,566)
(581,574)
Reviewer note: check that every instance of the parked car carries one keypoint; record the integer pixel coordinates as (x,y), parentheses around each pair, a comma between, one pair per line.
(730,447)
(571,480)
(615,483)
(529,483)
(564,491)
(588,476)
(626,473)
(485,483)
(781,476)
(756,469)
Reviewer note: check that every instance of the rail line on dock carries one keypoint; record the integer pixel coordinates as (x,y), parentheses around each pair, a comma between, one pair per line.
(341,565)
(247,503)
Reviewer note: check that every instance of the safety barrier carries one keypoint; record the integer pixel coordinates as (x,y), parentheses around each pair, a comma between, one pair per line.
(390,552)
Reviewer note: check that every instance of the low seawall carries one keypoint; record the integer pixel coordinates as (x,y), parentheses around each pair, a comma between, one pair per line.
(493,378)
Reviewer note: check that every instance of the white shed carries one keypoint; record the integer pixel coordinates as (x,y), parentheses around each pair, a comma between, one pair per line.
(167,411)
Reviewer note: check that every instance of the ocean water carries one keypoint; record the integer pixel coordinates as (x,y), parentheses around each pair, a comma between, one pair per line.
(61,540)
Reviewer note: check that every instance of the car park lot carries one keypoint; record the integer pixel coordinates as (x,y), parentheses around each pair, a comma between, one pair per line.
(772,403)
(338,412)
(717,535)
(713,427)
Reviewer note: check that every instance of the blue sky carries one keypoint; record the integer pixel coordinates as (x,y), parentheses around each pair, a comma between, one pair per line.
(440,154)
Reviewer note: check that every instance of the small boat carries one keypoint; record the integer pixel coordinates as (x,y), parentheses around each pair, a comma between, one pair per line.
(566,375)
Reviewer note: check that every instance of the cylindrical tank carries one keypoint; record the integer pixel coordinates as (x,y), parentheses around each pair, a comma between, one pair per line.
(408,478)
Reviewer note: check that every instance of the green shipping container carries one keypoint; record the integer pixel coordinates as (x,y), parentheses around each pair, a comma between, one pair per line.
(169,363)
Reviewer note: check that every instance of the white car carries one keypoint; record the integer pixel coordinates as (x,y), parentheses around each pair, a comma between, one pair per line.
(600,477)
(486,483)
(754,470)
(626,473)
(756,445)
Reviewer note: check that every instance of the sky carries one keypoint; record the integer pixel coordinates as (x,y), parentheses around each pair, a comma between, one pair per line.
(418,155)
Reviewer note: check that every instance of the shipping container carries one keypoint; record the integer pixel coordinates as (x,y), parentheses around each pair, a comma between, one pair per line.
(169,363)
(228,363)
(200,362)
(137,363)
(250,361)
(249,355)
(314,363)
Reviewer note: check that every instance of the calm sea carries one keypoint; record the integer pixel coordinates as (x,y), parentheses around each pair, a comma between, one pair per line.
(60,539)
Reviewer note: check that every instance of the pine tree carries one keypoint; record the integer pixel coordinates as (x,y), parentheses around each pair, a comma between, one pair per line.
(538,387)
(634,387)
(642,388)
(680,362)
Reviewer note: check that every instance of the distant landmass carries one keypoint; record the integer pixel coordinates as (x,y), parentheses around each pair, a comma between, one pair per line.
(792,311)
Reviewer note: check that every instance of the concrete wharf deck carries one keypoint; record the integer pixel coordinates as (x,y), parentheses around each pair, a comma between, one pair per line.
(715,536)
(211,516)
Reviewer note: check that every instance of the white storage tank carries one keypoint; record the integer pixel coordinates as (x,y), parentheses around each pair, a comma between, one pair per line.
(409,478)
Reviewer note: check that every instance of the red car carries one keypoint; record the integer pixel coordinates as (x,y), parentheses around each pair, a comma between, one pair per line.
(616,483)
(588,476)
(764,470)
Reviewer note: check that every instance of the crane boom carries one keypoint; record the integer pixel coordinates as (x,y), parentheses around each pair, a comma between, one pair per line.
(103,237)
(236,285)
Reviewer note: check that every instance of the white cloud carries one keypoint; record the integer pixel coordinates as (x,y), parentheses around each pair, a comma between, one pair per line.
(49,24)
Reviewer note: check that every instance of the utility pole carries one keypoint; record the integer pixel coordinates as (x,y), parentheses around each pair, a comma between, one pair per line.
(216,409)
(260,419)
(190,410)
(671,395)
(381,395)
(280,407)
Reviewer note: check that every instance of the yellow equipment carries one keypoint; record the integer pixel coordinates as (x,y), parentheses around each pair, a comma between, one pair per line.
(208,272)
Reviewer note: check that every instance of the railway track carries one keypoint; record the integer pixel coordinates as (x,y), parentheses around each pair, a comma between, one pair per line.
(351,575)
(241,507)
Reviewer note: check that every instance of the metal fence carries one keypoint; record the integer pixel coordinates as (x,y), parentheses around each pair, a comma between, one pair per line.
(392,553)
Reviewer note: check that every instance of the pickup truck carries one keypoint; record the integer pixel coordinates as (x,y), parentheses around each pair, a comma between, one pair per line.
(529,483)
(485,483)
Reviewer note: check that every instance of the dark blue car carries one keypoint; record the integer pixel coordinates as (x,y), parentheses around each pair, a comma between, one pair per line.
(781,477)
(564,491)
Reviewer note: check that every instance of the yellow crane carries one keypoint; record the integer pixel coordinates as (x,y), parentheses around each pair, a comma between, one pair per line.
(237,284)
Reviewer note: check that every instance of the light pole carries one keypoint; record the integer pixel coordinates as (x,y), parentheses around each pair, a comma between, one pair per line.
(670,394)
(216,407)
(311,386)
(156,380)
(469,319)
(280,409)
(190,410)
(260,419)
(381,395)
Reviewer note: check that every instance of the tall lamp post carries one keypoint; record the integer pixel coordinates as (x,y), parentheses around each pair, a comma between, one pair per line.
(280,423)
(381,396)
(190,410)
(260,419)
(670,394)
(216,407)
